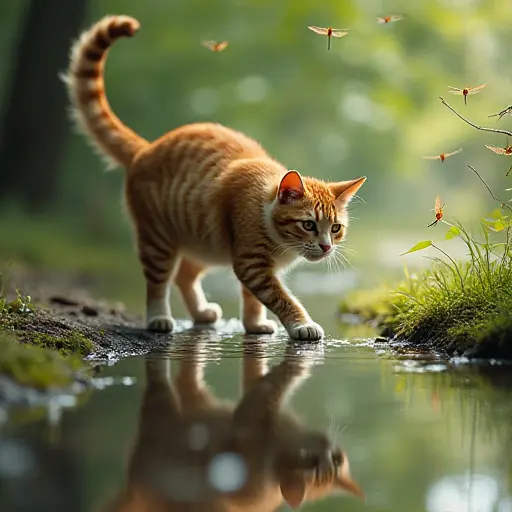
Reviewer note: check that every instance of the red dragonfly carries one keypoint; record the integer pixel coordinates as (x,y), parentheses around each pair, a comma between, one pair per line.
(389,18)
(438,209)
(443,156)
(329,32)
(502,113)
(466,91)
(507,150)
(214,46)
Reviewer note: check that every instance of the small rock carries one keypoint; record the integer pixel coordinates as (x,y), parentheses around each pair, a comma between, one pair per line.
(89,311)
(63,301)
(381,339)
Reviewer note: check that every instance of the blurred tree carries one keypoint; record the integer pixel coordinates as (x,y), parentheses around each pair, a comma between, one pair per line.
(34,125)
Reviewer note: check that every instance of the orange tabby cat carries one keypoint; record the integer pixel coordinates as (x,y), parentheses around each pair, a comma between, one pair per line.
(185,431)
(205,195)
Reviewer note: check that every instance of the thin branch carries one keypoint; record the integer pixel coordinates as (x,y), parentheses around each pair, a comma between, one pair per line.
(482,128)
(502,203)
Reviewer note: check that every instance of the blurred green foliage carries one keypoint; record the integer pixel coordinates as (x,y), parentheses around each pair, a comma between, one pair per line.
(368,107)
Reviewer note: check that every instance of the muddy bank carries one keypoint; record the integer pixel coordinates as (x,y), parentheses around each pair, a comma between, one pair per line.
(52,342)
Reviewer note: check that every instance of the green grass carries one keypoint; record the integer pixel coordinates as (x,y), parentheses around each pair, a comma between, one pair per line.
(452,306)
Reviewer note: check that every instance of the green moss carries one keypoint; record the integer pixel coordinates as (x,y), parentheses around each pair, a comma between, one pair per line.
(34,366)
(31,326)
(439,309)
(73,344)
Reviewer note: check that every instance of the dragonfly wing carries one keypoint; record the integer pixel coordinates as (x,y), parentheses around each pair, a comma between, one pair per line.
(494,149)
(396,17)
(222,46)
(338,33)
(474,90)
(453,153)
(432,157)
(318,30)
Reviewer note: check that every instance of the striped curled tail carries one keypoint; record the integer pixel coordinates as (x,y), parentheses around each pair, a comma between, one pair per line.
(86,88)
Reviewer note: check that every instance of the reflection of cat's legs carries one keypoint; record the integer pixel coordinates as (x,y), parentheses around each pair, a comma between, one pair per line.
(188,280)
(254,365)
(159,413)
(192,390)
(266,396)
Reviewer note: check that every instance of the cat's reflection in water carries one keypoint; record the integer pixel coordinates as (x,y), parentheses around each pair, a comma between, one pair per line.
(195,453)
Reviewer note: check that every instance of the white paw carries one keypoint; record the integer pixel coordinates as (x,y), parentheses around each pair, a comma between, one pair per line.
(160,324)
(306,332)
(209,314)
(261,327)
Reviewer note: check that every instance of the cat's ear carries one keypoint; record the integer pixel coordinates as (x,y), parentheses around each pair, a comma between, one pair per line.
(347,485)
(344,191)
(293,488)
(291,188)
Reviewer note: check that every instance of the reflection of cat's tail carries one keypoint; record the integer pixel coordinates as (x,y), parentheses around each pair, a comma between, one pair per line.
(86,88)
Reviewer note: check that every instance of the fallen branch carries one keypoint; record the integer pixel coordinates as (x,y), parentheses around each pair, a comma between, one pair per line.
(481,128)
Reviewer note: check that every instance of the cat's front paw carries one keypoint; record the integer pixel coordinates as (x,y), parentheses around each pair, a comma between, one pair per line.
(306,332)
(160,324)
(261,327)
(209,314)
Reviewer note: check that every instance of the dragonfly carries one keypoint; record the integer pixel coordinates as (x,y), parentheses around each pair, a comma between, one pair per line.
(507,150)
(502,113)
(443,156)
(466,91)
(438,210)
(215,46)
(389,18)
(329,32)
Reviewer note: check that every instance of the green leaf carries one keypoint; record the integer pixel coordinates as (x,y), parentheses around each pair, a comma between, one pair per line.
(499,225)
(452,233)
(496,214)
(418,247)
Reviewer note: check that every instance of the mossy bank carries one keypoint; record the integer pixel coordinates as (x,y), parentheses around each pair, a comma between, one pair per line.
(473,320)
(51,343)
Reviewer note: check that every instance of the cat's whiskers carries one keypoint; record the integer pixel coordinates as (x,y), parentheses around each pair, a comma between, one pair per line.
(285,246)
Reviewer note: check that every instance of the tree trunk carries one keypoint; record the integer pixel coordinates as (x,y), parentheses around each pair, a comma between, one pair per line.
(35,126)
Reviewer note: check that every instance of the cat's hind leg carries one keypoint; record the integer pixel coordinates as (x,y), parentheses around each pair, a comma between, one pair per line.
(188,279)
(159,263)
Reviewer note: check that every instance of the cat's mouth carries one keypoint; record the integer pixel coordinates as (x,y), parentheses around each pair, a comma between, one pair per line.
(316,256)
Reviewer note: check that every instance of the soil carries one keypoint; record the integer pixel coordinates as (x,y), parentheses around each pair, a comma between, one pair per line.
(62,308)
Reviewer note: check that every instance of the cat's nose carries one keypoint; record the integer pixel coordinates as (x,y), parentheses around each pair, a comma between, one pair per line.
(324,247)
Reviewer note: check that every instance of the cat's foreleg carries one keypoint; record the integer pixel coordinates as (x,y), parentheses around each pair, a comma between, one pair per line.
(258,276)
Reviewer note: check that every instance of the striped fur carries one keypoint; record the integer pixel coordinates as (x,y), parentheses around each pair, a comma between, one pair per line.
(205,195)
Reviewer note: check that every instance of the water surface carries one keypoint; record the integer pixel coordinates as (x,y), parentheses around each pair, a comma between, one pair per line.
(421,434)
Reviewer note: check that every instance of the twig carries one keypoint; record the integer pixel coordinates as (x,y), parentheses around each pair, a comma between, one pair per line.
(482,128)
(502,203)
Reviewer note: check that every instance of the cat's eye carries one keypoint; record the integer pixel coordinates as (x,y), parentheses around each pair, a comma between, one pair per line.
(335,228)
(337,459)
(309,225)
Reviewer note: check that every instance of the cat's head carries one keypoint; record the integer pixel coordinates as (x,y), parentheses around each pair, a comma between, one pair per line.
(317,470)
(309,216)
